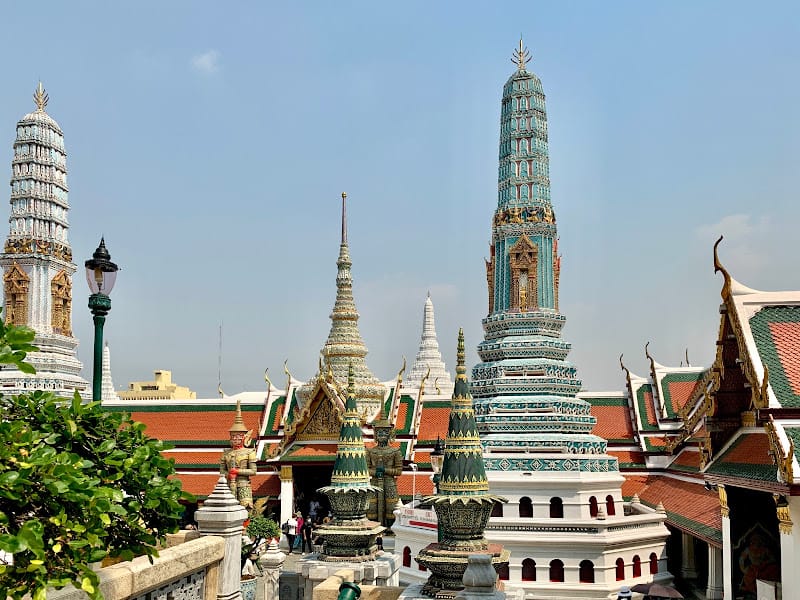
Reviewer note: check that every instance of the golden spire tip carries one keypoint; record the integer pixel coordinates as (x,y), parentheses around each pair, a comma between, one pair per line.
(40,97)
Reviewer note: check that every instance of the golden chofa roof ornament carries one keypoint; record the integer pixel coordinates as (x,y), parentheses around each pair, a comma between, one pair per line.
(40,97)
(521,56)
(238,423)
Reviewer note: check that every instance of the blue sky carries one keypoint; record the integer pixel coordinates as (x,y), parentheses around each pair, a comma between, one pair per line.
(209,143)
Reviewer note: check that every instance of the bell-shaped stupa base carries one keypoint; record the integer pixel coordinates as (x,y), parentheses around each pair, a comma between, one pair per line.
(350,536)
(447,566)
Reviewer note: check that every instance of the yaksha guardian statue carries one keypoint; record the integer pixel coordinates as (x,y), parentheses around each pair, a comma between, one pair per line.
(385,464)
(239,463)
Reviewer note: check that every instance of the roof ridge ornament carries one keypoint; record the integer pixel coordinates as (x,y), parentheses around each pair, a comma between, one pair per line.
(41,97)
(521,55)
(726,286)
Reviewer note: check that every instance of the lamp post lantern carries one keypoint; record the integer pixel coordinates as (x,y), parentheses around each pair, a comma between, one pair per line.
(101,274)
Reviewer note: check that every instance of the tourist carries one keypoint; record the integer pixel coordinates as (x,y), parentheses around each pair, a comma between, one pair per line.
(299,529)
(291,532)
(307,533)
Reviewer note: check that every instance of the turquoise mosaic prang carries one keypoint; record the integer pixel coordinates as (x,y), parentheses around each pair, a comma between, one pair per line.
(524,389)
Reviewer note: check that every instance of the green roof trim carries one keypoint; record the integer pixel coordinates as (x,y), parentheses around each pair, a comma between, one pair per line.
(279,401)
(794,434)
(289,416)
(405,427)
(205,408)
(641,400)
(677,520)
(754,472)
(760,325)
(676,378)
(613,401)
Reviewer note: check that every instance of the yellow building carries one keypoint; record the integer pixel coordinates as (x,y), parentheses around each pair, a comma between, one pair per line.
(160,389)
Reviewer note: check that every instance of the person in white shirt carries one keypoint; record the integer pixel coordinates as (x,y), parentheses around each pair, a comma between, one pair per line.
(291,534)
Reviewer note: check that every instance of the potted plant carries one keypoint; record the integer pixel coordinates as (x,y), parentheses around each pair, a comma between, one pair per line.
(259,530)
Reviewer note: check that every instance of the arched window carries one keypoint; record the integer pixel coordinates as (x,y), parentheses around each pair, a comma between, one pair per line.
(556,570)
(610,510)
(556,508)
(637,566)
(497,509)
(586,571)
(406,556)
(653,563)
(593,506)
(422,567)
(620,569)
(502,572)
(525,508)
(528,570)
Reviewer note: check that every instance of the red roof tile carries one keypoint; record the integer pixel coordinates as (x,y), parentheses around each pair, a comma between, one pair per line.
(749,449)
(634,484)
(405,484)
(687,458)
(613,422)
(689,500)
(194,458)
(680,392)
(786,337)
(202,485)
(200,425)
(648,404)
(306,451)
(627,457)
(433,422)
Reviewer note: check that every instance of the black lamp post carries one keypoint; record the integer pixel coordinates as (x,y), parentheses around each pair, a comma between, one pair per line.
(101,274)
(437,459)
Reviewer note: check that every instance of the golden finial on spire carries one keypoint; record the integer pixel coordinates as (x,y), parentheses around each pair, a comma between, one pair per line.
(521,56)
(40,97)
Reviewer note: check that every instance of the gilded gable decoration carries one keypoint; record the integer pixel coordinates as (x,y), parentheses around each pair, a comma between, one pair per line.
(16,286)
(61,303)
(784,462)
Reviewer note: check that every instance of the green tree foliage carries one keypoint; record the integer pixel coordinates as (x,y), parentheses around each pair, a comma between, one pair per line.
(77,484)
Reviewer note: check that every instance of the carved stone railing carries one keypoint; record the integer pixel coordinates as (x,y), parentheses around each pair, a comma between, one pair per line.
(188,570)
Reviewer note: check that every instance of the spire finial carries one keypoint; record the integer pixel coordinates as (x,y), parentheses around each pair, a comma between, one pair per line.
(40,97)
(344,218)
(461,368)
(521,55)
(238,423)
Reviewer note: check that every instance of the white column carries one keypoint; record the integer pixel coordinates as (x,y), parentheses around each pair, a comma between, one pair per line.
(714,584)
(688,569)
(727,548)
(222,515)
(287,495)
(788,517)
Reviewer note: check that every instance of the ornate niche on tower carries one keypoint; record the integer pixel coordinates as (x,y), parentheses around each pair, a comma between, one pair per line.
(490,278)
(523,262)
(16,284)
(61,303)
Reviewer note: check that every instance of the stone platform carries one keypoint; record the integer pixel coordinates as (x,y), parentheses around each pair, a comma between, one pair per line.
(382,571)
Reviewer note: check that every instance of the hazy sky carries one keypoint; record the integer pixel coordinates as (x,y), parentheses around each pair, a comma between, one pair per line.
(209,143)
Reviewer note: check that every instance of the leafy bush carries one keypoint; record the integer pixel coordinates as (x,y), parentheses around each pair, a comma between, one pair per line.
(77,484)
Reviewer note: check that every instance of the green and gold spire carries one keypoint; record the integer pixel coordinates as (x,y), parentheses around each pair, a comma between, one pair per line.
(462,470)
(350,469)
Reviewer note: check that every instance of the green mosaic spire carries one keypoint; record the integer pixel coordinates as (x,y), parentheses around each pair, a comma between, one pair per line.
(463,473)
(350,469)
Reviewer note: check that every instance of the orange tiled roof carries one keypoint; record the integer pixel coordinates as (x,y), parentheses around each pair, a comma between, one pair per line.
(680,392)
(687,460)
(786,337)
(322,452)
(627,457)
(434,422)
(202,485)
(405,484)
(402,413)
(647,396)
(751,449)
(422,457)
(194,458)
(687,504)
(613,422)
(634,484)
(199,425)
